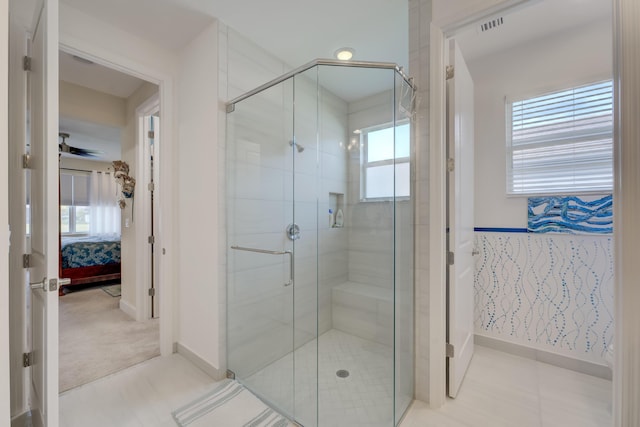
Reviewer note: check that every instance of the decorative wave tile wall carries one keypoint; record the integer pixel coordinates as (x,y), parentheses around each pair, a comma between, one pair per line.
(570,214)
(548,292)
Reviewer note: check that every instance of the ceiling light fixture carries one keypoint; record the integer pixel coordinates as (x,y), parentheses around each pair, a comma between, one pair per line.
(345,53)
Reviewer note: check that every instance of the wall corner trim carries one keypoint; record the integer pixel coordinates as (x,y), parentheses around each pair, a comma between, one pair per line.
(206,367)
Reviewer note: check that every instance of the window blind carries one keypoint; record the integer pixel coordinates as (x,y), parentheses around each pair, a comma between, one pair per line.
(562,142)
(74,188)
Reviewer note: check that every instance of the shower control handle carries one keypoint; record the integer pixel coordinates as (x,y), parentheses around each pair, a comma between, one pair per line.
(264,251)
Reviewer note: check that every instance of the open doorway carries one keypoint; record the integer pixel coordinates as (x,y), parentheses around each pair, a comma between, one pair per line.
(543,277)
(103,203)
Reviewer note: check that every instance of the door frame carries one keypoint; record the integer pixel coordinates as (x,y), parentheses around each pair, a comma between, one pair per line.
(439,39)
(142,216)
(5,411)
(164,238)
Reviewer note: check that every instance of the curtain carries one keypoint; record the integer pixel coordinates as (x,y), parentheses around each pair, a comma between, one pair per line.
(105,213)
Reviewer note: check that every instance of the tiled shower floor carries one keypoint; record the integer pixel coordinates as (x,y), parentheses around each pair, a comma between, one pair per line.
(364,398)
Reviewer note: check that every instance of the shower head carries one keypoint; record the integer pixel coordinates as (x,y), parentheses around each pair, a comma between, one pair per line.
(299,147)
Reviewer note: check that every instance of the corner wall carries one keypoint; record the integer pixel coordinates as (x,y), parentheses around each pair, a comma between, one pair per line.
(199,322)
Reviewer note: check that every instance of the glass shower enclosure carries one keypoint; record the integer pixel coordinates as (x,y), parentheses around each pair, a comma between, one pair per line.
(320,229)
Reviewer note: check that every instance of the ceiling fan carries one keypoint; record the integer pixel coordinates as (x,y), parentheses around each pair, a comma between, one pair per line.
(66,148)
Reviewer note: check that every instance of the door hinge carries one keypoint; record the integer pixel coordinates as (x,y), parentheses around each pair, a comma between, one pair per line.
(26,161)
(26,260)
(152,292)
(450,258)
(27,359)
(450,350)
(151,134)
(451,164)
(450,72)
(152,240)
(151,186)
(26,63)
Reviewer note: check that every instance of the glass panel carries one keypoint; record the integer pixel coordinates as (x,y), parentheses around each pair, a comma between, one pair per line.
(259,295)
(65,213)
(379,181)
(380,145)
(356,259)
(404,255)
(335,348)
(306,202)
(83,219)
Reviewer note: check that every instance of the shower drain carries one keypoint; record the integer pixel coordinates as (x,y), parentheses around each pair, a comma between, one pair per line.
(342,373)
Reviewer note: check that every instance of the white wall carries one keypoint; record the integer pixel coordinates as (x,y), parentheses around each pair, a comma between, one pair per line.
(5,413)
(575,57)
(84,164)
(89,105)
(197,199)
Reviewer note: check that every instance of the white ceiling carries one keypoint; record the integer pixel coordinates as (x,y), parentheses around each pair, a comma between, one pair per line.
(298,31)
(97,77)
(538,20)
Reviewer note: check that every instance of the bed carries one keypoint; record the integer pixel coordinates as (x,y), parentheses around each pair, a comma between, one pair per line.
(90,259)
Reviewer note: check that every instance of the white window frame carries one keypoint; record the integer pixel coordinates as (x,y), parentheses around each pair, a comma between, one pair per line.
(576,138)
(364,164)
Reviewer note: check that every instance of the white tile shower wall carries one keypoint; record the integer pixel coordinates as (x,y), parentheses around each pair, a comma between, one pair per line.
(547,292)
(370,223)
(260,199)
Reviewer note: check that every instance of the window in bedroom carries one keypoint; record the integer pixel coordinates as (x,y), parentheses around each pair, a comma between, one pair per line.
(75,212)
(378,159)
(561,142)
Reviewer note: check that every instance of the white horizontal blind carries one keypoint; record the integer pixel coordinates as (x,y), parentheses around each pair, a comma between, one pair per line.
(562,142)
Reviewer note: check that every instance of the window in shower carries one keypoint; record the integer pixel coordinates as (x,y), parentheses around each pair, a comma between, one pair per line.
(381,151)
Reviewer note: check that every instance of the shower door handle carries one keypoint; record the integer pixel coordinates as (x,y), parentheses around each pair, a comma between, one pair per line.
(264,251)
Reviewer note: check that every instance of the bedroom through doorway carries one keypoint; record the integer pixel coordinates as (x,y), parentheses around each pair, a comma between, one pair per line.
(108,130)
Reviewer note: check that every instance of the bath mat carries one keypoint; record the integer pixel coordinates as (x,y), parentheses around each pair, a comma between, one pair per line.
(113,290)
(230,404)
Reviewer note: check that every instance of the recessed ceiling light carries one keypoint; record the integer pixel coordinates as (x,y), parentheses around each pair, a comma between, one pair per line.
(345,53)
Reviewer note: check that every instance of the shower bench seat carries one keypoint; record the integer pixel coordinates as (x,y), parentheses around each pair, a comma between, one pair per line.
(365,311)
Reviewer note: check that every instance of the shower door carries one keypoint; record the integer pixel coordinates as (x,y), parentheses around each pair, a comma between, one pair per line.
(271,248)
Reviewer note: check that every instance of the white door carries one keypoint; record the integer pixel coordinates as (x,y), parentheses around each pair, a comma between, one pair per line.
(460,206)
(43,272)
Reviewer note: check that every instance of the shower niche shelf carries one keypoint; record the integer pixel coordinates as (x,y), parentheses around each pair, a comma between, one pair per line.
(336,203)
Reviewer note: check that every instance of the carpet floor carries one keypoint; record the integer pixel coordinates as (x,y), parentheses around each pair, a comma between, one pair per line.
(98,339)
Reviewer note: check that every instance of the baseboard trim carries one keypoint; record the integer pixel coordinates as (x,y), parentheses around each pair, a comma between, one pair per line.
(198,361)
(22,420)
(129,309)
(26,419)
(582,366)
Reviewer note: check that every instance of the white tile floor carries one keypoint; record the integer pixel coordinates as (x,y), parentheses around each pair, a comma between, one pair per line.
(363,399)
(505,390)
(499,390)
